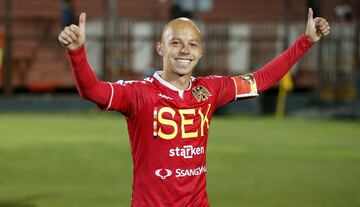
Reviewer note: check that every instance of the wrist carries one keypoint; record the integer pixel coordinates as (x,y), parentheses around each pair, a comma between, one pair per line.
(76,51)
(308,41)
(309,38)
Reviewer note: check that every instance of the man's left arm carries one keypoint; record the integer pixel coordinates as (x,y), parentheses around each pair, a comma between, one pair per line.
(273,71)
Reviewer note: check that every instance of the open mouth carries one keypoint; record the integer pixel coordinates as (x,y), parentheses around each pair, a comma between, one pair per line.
(182,60)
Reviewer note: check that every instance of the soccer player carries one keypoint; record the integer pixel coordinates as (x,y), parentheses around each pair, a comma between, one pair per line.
(168,115)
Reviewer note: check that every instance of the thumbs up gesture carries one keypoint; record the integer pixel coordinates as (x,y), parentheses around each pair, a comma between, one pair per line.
(73,36)
(316,28)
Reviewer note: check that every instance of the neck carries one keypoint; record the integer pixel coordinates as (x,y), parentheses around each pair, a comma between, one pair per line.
(181,82)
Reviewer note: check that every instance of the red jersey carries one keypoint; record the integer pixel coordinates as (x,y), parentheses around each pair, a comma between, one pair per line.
(168,130)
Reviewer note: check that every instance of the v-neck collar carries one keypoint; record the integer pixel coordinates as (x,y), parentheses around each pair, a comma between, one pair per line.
(157,76)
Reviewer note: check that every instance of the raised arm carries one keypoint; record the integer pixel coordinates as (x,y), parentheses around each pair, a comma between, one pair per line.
(72,38)
(274,70)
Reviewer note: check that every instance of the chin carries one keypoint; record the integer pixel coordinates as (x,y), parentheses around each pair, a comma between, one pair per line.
(182,72)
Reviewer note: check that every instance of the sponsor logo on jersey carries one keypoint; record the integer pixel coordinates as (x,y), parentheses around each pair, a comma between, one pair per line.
(149,79)
(200,93)
(187,117)
(179,173)
(163,173)
(123,83)
(164,96)
(187,152)
(190,172)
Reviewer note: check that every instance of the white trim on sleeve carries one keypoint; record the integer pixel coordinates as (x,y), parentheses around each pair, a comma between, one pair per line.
(111,97)
(235,89)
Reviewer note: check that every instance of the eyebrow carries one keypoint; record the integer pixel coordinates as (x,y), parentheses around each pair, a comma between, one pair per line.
(191,40)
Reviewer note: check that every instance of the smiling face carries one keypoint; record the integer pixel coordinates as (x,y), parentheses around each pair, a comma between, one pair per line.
(180,47)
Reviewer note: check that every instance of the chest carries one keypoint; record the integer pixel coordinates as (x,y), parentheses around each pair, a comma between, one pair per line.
(183,118)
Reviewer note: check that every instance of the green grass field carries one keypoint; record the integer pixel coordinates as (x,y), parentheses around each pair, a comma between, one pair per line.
(83,160)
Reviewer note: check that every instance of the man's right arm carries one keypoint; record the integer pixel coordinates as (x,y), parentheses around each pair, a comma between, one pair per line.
(72,38)
(88,86)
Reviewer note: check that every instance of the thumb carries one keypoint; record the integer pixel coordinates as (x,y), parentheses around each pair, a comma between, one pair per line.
(82,20)
(310,15)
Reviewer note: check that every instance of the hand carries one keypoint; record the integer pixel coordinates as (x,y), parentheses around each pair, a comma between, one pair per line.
(316,28)
(73,36)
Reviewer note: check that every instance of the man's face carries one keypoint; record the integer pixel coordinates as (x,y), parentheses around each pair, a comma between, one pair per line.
(180,47)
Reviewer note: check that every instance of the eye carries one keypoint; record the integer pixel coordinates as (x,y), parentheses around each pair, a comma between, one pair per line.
(175,43)
(193,45)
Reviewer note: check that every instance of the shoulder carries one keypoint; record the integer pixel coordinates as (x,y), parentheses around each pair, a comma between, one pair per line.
(211,80)
(213,83)
(143,84)
(134,88)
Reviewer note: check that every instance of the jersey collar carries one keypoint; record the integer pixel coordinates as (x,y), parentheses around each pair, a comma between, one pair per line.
(157,76)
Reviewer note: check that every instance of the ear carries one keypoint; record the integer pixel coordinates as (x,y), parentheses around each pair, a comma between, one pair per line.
(201,50)
(159,48)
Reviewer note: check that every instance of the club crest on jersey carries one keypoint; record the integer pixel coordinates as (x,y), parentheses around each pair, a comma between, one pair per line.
(200,93)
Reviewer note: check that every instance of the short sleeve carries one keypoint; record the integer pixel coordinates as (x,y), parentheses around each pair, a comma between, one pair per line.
(126,97)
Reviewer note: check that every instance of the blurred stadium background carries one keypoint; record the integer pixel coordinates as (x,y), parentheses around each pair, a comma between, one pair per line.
(51,157)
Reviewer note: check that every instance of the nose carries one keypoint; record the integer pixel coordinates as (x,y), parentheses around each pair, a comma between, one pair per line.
(185,50)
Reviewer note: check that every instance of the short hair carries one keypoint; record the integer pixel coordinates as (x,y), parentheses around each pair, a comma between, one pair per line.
(180,19)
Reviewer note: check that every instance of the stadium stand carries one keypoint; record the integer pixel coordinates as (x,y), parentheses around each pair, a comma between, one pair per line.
(39,64)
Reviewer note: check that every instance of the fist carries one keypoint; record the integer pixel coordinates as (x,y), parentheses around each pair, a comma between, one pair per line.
(73,36)
(316,28)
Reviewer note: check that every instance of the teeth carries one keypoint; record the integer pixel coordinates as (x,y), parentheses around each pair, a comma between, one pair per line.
(183,61)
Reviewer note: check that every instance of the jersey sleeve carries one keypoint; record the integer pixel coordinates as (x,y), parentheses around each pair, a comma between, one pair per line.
(88,86)
(229,89)
(245,86)
(126,97)
(273,71)
(123,96)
